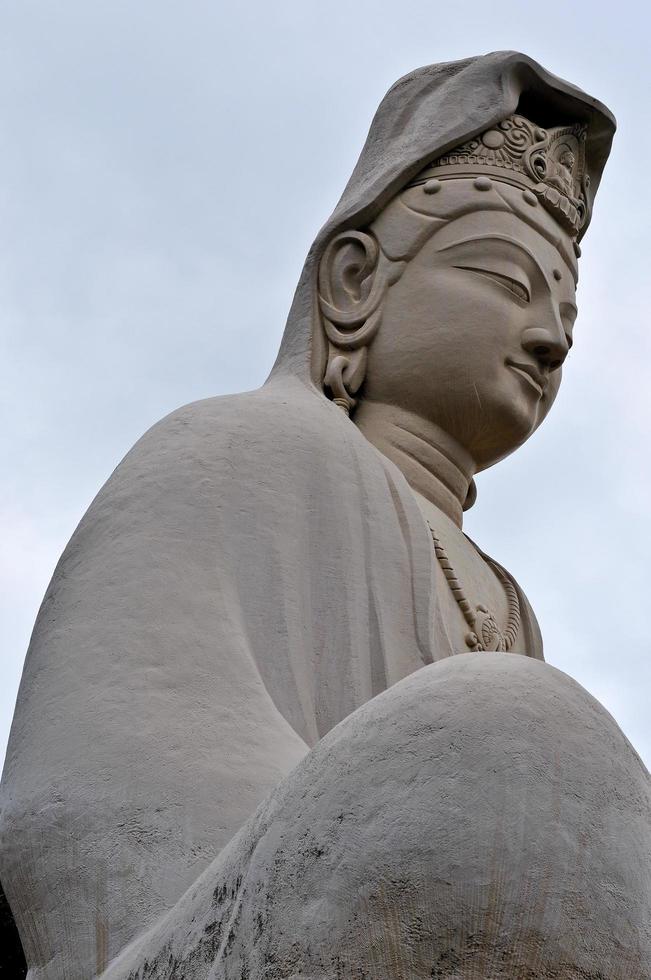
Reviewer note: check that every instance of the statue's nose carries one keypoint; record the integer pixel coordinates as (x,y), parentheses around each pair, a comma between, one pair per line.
(549,346)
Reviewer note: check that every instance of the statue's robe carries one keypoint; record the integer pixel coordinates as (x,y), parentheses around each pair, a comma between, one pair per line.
(251,574)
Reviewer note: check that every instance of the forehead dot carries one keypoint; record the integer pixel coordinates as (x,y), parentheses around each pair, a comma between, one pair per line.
(557,275)
(483,183)
(493,139)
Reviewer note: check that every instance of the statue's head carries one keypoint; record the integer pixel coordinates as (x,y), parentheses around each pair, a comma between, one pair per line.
(442,285)
(457,302)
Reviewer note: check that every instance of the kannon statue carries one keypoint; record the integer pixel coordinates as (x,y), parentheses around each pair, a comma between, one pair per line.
(279,716)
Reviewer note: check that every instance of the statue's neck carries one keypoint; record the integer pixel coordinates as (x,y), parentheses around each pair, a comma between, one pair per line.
(433,463)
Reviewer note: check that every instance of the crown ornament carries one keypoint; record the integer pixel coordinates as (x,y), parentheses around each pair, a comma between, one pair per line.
(547,163)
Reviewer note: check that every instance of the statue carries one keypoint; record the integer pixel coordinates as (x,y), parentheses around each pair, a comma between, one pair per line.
(246,742)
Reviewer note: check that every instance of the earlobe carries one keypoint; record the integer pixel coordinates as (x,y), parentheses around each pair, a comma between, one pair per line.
(354,276)
(344,375)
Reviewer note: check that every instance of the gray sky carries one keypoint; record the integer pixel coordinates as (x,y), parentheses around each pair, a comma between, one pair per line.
(164,168)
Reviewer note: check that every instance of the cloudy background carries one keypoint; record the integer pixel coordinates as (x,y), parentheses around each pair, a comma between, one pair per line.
(163,170)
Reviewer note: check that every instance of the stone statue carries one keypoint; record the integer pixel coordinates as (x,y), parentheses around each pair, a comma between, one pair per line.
(245,745)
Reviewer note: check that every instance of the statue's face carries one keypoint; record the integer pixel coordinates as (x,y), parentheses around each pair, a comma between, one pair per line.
(474,334)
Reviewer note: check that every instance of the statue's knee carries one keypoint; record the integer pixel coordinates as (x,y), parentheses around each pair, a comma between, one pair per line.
(483,817)
(486,806)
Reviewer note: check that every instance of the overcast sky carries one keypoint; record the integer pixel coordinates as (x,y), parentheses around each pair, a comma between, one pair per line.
(163,170)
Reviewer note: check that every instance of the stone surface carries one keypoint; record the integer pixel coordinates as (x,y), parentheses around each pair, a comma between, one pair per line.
(484,818)
(262,566)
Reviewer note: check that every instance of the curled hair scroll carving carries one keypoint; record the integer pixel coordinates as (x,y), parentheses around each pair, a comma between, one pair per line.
(354,276)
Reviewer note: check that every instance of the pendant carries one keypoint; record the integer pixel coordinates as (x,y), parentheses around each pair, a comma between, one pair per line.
(486,634)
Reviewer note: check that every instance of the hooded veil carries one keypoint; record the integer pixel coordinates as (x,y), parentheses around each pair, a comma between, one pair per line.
(252,572)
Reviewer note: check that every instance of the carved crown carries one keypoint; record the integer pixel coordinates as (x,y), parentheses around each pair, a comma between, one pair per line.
(549,163)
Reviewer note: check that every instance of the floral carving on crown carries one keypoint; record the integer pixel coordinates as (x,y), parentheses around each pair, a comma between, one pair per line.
(547,162)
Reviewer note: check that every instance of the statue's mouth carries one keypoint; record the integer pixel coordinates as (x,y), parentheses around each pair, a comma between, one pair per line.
(532,376)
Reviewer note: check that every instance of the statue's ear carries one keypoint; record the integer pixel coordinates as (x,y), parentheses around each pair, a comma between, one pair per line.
(354,275)
(346,273)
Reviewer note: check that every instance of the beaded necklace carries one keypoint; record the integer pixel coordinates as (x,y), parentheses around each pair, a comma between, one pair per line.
(484,633)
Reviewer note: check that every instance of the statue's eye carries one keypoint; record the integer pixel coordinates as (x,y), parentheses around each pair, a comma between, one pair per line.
(513,285)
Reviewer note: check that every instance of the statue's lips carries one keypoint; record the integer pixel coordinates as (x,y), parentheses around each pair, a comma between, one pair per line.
(534,378)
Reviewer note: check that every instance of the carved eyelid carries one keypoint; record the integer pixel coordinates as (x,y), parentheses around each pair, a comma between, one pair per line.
(510,282)
(570,310)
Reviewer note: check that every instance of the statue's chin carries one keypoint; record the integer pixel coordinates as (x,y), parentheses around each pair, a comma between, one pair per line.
(503,427)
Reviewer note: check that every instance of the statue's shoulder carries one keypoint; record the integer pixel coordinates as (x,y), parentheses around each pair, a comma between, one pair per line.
(284,410)
(276,426)
(210,465)
(218,418)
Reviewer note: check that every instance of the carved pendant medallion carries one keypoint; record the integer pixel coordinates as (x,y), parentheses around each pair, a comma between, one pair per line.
(486,634)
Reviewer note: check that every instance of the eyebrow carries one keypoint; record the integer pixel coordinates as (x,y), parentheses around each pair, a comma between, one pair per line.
(510,241)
